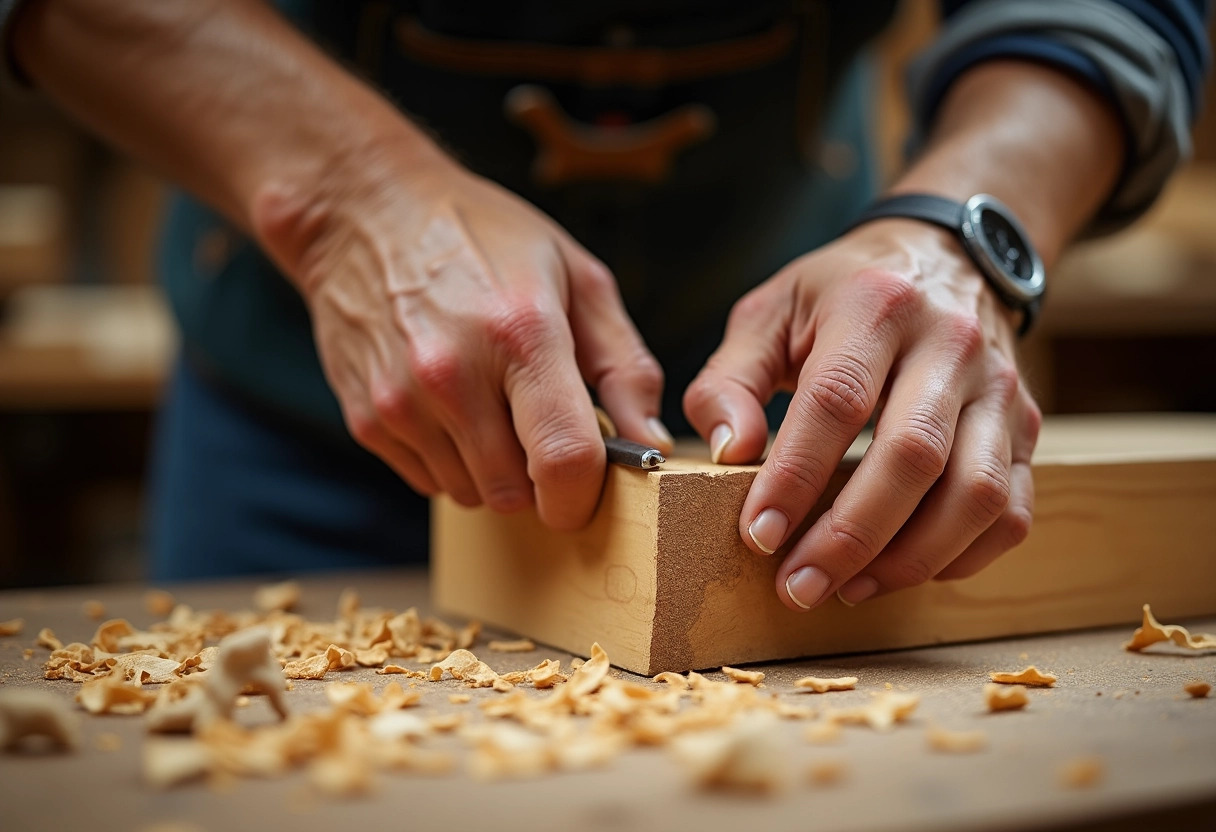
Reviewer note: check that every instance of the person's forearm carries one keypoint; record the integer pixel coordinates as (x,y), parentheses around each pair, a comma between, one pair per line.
(1046,145)
(222,96)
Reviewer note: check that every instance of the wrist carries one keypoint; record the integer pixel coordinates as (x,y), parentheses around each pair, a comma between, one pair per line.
(334,187)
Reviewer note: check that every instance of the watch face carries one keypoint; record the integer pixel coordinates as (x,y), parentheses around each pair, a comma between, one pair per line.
(1006,244)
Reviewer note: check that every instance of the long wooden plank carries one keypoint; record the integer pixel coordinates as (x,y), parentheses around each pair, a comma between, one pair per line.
(1126,513)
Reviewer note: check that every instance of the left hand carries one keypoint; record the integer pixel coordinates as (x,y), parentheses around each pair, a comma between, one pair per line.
(893,314)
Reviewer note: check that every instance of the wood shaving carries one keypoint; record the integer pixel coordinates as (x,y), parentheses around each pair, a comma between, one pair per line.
(750,677)
(404,671)
(673,679)
(463,665)
(747,755)
(93,609)
(12,627)
(881,714)
(1151,632)
(1198,688)
(27,654)
(1031,676)
(955,742)
(314,667)
(143,668)
(159,603)
(1082,772)
(827,772)
(818,685)
(371,656)
(459,698)
(171,762)
(113,695)
(282,597)
(546,674)
(1005,697)
(28,713)
(47,639)
(520,645)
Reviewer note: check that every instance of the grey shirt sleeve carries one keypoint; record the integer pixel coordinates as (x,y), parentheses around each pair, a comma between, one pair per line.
(1139,68)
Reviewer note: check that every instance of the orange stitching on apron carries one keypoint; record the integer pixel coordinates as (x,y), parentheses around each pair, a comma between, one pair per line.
(594,66)
(568,151)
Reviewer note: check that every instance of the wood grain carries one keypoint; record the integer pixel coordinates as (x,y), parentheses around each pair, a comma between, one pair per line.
(661,579)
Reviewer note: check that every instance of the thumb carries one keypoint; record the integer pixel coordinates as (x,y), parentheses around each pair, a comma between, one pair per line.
(611,355)
(725,402)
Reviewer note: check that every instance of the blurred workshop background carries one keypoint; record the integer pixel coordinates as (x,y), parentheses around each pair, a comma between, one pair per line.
(86,339)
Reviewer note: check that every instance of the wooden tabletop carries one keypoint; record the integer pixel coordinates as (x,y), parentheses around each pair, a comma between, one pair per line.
(1157,746)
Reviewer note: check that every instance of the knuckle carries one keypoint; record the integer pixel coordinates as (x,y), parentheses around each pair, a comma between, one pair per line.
(987,494)
(921,447)
(505,496)
(596,279)
(752,306)
(1016,523)
(909,572)
(364,429)
(521,329)
(1033,417)
(437,370)
(965,335)
(854,541)
(563,460)
(642,373)
(841,391)
(1005,382)
(803,477)
(893,296)
(393,405)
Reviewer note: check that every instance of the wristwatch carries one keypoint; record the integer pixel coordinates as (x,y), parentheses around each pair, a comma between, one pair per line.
(991,236)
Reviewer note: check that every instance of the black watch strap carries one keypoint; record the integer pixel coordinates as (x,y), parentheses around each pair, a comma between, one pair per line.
(935,209)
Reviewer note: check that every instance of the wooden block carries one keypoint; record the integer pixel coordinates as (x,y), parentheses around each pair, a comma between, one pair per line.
(1125,515)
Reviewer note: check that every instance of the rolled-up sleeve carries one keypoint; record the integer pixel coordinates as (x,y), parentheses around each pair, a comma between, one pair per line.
(1148,59)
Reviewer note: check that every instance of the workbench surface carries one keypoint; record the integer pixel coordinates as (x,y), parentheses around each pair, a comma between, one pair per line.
(1157,745)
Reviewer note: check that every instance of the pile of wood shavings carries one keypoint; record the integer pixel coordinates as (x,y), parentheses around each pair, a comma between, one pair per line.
(541,720)
(544,719)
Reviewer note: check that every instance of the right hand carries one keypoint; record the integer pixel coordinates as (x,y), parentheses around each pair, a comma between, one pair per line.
(459,328)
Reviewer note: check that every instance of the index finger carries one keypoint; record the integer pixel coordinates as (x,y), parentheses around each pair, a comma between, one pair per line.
(837,392)
(555,422)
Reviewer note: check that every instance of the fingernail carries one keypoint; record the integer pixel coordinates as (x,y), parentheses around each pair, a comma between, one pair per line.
(768,529)
(857,590)
(806,586)
(659,433)
(718,440)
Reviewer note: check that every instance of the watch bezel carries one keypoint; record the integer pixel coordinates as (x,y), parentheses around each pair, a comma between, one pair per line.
(1020,291)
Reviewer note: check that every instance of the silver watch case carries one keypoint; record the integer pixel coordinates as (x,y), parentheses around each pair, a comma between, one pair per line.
(1015,290)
